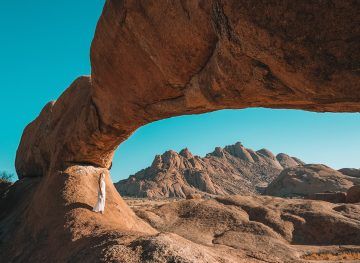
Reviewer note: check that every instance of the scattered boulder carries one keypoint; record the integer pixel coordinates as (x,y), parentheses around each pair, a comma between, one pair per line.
(193,196)
(309,179)
(269,227)
(353,194)
(335,197)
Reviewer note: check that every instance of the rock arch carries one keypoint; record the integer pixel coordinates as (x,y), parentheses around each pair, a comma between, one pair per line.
(156,59)
(153,60)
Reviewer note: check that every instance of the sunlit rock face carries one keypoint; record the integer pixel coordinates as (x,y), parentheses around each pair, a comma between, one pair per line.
(230,170)
(353,172)
(353,194)
(155,59)
(305,180)
(287,161)
(207,55)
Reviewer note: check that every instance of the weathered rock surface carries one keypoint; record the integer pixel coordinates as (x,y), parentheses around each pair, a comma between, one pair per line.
(286,161)
(353,172)
(231,170)
(42,221)
(307,180)
(194,196)
(155,59)
(229,54)
(353,194)
(260,227)
(332,197)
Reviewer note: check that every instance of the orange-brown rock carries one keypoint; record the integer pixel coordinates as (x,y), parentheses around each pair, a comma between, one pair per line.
(230,170)
(264,228)
(353,194)
(156,59)
(332,197)
(287,161)
(193,196)
(350,172)
(309,179)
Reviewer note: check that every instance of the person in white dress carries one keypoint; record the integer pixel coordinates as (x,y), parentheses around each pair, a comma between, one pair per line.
(100,205)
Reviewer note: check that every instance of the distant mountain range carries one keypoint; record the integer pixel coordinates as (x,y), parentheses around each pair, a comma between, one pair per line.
(230,170)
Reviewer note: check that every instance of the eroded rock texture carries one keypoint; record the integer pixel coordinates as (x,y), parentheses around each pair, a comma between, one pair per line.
(263,228)
(309,179)
(350,172)
(230,170)
(156,59)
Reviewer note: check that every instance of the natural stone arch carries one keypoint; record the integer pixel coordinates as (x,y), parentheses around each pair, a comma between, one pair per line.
(156,59)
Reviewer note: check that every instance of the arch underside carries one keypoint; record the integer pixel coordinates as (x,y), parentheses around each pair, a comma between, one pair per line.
(156,59)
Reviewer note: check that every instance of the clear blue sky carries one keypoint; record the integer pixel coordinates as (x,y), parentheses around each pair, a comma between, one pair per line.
(45,45)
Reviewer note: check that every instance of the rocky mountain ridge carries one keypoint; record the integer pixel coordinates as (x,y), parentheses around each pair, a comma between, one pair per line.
(233,169)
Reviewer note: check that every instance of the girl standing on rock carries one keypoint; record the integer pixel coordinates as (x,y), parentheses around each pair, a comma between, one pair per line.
(100,205)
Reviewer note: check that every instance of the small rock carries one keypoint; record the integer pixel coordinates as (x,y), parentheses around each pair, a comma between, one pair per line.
(353,194)
(193,196)
(331,197)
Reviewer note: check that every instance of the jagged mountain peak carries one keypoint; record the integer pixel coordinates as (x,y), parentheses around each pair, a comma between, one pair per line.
(233,169)
(186,153)
(218,152)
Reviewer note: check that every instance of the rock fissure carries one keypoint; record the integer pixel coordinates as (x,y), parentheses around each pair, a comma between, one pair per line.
(222,24)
